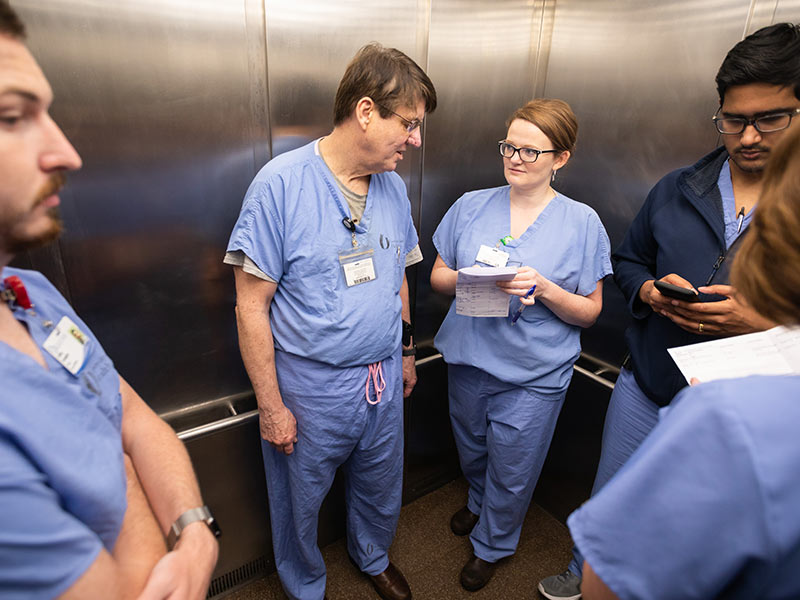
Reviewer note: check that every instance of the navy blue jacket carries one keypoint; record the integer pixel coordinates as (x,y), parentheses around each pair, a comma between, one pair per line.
(680,229)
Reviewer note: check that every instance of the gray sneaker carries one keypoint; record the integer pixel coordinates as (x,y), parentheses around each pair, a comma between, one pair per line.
(566,586)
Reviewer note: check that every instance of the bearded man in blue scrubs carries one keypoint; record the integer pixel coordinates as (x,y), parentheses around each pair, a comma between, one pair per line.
(319,253)
(91,480)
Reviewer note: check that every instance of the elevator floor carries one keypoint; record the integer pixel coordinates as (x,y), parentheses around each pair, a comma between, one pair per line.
(431,557)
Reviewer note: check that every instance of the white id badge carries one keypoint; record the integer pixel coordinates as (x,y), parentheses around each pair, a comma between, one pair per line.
(67,344)
(358,265)
(494,257)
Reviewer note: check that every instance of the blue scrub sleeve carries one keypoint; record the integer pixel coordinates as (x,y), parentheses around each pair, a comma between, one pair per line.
(43,548)
(684,515)
(445,238)
(596,256)
(258,231)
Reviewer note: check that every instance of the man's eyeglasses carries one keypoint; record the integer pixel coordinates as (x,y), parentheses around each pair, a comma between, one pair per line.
(528,155)
(766,124)
(411,126)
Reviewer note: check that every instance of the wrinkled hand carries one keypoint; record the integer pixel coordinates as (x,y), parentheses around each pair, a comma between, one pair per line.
(278,427)
(524,280)
(409,375)
(732,316)
(660,303)
(184,573)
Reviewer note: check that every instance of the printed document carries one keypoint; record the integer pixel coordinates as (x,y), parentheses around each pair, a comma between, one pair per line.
(476,292)
(772,352)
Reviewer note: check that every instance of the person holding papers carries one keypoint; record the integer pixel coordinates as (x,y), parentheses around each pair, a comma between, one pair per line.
(709,505)
(689,228)
(507,381)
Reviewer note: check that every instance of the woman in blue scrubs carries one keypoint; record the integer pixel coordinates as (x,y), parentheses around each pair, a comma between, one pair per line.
(507,381)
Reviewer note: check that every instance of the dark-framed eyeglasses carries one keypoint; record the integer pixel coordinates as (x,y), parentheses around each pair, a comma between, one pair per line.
(411,126)
(528,155)
(764,124)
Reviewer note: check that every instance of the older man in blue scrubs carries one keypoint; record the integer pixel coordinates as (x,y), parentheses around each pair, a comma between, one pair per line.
(320,250)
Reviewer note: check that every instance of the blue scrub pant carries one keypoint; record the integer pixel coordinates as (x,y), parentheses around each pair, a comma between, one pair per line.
(502,432)
(630,418)
(335,427)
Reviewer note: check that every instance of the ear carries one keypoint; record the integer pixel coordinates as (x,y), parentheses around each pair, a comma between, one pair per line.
(561,159)
(365,107)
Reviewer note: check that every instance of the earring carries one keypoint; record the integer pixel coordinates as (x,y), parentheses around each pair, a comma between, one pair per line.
(553,176)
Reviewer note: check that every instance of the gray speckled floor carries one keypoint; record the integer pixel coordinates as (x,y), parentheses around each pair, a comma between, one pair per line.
(431,557)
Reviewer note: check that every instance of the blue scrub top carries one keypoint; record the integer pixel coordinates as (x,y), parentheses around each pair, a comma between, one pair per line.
(709,505)
(62,476)
(291,226)
(567,244)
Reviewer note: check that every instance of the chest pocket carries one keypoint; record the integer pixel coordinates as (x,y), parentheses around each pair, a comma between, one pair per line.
(313,277)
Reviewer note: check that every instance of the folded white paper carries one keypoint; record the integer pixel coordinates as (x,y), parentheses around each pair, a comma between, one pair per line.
(476,292)
(772,352)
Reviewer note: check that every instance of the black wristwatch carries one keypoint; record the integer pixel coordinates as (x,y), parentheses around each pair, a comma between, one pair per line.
(408,331)
(202,513)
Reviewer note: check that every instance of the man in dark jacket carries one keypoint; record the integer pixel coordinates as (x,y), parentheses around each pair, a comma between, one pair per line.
(685,235)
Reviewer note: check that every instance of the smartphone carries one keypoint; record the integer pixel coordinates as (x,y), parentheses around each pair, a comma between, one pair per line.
(674,291)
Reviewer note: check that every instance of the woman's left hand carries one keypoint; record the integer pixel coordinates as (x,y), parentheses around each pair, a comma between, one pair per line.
(525,279)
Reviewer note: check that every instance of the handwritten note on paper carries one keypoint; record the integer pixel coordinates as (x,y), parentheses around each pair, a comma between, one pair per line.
(772,352)
(476,292)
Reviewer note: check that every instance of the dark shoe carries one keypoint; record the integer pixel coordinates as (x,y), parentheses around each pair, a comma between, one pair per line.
(476,574)
(463,522)
(391,585)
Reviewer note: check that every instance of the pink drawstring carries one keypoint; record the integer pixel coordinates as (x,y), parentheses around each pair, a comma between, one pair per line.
(375,371)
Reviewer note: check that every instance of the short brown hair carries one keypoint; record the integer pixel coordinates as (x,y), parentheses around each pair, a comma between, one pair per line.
(766,269)
(554,117)
(387,76)
(10,23)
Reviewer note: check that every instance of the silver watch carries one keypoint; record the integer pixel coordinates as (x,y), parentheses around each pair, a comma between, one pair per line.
(201,513)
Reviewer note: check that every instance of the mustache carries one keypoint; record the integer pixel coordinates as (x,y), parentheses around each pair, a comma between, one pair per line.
(52,186)
(751,148)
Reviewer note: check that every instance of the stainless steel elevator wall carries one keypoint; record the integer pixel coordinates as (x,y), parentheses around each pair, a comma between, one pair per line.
(175,104)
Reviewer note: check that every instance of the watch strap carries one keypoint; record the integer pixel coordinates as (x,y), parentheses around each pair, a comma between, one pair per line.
(201,513)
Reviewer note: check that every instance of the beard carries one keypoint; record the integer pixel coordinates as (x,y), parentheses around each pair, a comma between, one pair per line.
(747,166)
(15,239)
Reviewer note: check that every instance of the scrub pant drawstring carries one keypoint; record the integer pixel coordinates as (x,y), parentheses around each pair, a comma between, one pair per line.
(375,371)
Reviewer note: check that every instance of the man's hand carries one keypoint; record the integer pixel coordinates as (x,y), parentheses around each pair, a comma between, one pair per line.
(658,301)
(409,375)
(278,427)
(184,573)
(732,316)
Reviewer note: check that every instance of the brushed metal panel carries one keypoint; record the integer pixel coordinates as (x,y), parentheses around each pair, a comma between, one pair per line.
(156,97)
(480,58)
(640,77)
(787,10)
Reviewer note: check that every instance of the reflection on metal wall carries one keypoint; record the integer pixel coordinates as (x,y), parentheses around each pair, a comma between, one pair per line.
(175,105)
(156,97)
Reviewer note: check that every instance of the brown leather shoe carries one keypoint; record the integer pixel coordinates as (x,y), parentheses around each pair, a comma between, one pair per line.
(476,574)
(391,585)
(463,522)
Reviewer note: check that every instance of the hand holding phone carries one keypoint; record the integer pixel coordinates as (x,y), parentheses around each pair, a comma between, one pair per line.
(678,293)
